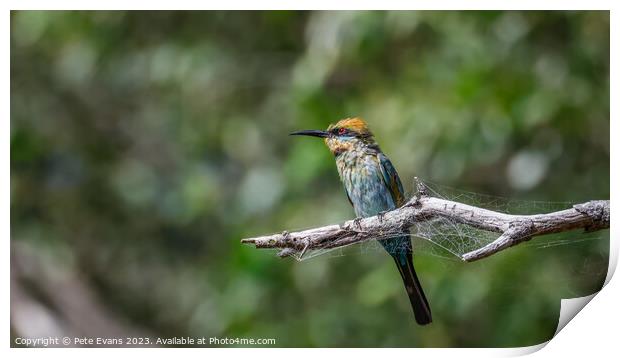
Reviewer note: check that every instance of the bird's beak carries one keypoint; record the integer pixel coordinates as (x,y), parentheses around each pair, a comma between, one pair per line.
(312,133)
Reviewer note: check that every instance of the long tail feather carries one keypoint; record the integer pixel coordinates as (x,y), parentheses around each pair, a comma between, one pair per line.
(421,308)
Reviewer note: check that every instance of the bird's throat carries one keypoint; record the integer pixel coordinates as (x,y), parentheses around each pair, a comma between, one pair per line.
(338,147)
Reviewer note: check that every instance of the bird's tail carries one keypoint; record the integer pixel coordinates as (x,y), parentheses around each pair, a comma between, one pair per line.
(421,308)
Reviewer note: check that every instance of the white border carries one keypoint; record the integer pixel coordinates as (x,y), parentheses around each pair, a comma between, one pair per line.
(593,330)
(316,5)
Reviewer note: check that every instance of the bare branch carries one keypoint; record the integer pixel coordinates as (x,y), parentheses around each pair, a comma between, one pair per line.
(514,229)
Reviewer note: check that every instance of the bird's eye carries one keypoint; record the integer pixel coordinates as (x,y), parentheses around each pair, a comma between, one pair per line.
(342,131)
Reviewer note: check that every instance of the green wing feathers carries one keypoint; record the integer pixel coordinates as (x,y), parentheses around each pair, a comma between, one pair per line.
(392,181)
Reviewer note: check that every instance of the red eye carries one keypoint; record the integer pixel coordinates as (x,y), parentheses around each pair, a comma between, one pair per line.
(342,131)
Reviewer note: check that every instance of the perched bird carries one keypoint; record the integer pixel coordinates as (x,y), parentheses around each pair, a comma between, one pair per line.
(373,187)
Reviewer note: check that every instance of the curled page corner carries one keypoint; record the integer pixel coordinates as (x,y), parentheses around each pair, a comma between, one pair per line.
(569,307)
(523,351)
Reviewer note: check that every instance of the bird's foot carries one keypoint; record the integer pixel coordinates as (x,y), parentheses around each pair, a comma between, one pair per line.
(357,222)
(380,216)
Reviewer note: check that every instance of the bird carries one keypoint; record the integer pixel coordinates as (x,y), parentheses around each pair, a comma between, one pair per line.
(373,187)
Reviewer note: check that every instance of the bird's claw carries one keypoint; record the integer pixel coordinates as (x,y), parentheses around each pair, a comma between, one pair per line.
(380,216)
(357,222)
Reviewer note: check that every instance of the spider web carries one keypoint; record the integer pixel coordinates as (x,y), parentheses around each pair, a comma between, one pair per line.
(448,239)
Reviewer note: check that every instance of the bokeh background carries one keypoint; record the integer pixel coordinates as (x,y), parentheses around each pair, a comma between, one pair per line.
(145,145)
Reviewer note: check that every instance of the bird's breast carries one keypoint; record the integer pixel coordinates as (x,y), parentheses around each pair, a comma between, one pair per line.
(363,180)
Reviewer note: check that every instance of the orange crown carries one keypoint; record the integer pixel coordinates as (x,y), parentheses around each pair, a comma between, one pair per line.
(355,124)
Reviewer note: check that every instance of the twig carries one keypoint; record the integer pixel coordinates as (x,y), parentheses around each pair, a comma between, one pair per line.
(514,229)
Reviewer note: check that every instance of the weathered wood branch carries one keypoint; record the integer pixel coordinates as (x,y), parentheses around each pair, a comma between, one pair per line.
(514,229)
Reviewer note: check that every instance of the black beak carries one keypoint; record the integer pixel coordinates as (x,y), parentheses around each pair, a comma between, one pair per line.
(312,133)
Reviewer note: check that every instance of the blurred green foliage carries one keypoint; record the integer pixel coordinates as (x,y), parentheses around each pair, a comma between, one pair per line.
(144,145)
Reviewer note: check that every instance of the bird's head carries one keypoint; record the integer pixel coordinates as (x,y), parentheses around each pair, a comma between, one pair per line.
(347,134)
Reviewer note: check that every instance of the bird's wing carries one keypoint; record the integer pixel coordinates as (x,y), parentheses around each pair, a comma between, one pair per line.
(390,176)
(348,197)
